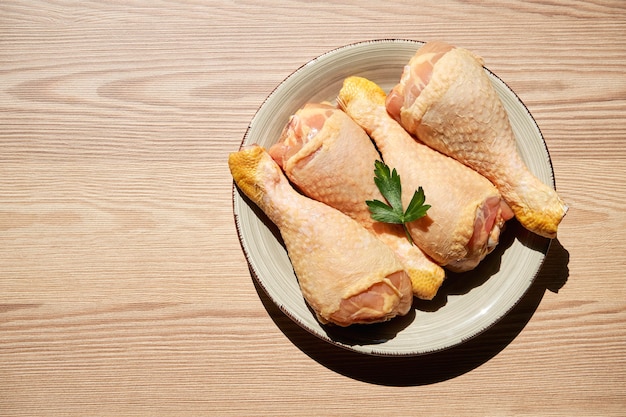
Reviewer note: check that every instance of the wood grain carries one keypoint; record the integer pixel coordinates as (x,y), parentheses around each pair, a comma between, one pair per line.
(123,287)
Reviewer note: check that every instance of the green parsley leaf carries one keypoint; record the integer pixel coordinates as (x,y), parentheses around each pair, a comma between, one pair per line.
(388,182)
(381,212)
(416,209)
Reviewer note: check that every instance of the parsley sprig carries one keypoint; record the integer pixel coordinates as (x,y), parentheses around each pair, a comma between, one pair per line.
(388,182)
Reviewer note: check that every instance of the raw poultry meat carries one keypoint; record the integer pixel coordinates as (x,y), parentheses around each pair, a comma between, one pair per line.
(345,273)
(446,99)
(467,213)
(331,159)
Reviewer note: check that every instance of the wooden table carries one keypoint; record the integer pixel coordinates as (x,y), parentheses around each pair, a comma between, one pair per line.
(123,287)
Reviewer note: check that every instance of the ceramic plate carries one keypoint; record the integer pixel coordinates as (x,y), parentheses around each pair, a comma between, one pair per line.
(468,303)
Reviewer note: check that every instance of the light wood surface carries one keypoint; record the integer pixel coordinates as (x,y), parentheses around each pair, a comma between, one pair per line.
(123,287)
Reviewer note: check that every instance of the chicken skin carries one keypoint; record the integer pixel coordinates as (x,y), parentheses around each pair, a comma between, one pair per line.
(446,99)
(345,273)
(467,213)
(331,159)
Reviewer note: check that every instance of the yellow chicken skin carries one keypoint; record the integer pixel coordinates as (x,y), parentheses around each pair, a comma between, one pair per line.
(467,213)
(345,273)
(331,159)
(446,99)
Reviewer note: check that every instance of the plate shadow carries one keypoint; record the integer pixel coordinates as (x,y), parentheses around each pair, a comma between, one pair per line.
(434,367)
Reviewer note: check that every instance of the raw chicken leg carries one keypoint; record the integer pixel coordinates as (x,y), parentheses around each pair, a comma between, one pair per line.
(467,213)
(331,159)
(446,99)
(346,274)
